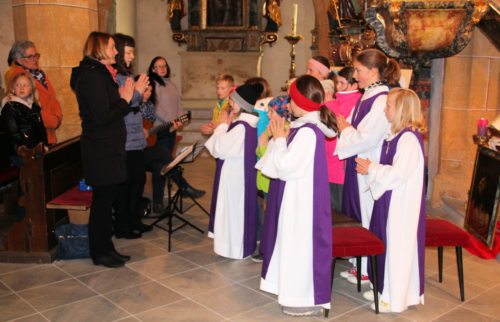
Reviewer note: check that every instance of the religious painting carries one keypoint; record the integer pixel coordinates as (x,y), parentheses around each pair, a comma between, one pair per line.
(225,13)
(482,207)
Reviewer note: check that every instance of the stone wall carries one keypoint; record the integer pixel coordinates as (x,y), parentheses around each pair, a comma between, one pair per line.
(470,91)
(6,37)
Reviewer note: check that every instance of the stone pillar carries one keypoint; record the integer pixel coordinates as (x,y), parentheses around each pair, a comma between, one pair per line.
(59,30)
(470,91)
(125,17)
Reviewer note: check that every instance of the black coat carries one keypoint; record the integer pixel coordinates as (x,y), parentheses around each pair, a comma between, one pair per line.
(103,127)
(23,124)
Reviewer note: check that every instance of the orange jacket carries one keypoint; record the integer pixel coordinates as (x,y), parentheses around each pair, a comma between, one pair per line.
(51,109)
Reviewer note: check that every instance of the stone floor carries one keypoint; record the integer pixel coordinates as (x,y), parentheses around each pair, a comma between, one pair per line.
(193,284)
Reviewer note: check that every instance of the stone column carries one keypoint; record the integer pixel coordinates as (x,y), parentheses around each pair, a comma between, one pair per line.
(59,30)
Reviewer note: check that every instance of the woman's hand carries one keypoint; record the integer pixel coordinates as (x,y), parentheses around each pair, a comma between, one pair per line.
(342,123)
(142,83)
(127,90)
(278,128)
(362,165)
(177,125)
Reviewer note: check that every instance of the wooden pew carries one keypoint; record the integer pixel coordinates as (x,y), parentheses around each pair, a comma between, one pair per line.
(42,177)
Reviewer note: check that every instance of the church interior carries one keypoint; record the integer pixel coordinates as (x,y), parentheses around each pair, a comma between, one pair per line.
(449,54)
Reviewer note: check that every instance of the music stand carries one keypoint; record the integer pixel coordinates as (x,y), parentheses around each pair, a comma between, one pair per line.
(198,147)
(171,210)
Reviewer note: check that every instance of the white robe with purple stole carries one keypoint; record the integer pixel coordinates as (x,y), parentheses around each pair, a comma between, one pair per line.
(295,272)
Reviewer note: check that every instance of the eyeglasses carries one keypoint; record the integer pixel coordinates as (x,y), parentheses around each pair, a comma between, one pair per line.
(34,56)
(160,66)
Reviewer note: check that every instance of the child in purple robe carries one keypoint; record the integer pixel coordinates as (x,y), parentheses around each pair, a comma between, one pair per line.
(397,185)
(297,247)
(233,213)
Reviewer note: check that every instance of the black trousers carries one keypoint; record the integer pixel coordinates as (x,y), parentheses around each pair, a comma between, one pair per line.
(104,200)
(136,177)
(156,157)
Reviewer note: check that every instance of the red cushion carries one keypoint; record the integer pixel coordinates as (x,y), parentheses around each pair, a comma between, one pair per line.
(439,232)
(355,241)
(73,197)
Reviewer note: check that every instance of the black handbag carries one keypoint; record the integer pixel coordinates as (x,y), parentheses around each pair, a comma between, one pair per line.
(73,241)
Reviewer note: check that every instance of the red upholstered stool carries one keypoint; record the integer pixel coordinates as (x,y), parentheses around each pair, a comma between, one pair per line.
(440,233)
(357,242)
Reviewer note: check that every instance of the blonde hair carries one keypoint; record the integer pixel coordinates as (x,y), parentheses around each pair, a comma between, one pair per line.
(34,91)
(225,78)
(408,111)
(95,45)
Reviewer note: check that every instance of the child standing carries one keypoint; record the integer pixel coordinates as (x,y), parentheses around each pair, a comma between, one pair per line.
(297,258)
(397,185)
(233,213)
(362,135)
(318,67)
(345,99)
(224,86)
(21,115)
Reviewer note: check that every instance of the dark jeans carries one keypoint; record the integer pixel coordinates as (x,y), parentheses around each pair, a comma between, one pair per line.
(167,139)
(136,177)
(156,157)
(336,196)
(104,199)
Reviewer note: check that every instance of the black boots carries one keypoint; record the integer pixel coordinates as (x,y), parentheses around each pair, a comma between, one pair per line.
(188,191)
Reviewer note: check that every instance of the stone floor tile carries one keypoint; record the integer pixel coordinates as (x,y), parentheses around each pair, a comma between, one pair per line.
(195,282)
(56,294)
(178,312)
(141,251)
(33,277)
(231,300)
(162,266)
(463,315)
(12,307)
(486,303)
(143,297)
(96,308)
(236,270)
(203,255)
(113,279)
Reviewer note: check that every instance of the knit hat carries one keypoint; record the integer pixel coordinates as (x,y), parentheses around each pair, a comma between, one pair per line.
(246,95)
(280,105)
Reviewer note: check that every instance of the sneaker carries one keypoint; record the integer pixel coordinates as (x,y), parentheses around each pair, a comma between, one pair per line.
(368,295)
(303,311)
(257,258)
(383,307)
(349,272)
(354,279)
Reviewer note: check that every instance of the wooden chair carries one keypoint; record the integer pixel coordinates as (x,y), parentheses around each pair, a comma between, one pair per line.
(357,242)
(440,233)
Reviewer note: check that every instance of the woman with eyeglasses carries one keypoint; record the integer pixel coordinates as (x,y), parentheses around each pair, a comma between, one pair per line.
(24,57)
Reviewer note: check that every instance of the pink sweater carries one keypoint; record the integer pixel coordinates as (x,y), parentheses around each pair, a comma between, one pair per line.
(342,105)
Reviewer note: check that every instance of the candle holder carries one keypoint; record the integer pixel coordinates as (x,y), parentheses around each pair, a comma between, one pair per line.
(292,39)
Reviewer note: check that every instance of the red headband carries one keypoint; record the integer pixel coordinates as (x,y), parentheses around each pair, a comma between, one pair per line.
(302,101)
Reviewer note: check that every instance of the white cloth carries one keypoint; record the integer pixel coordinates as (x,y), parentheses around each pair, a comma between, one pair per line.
(229,214)
(405,178)
(366,142)
(290,272)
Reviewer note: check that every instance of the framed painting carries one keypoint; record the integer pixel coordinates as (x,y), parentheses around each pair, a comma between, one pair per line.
(482,208)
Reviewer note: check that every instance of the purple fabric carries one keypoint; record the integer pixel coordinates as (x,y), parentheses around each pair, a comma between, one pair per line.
(378,223)
(350,196)
(250,174)
(322,233)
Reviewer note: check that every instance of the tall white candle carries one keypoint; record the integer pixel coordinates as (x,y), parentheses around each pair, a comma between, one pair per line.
(294,21)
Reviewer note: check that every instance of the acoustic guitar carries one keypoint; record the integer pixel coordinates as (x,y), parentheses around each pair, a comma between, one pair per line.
(153,130)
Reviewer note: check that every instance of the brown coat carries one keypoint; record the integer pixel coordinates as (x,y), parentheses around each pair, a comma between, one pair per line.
(51,109)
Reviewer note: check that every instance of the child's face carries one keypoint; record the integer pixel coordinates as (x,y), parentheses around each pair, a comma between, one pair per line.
(390,108)
(341,84)
(235,108)
(160,67)
(223,89)
(273,115)
(364,75)
(128,55)
(22,87)
(147,93)
(296,111)
(312,71)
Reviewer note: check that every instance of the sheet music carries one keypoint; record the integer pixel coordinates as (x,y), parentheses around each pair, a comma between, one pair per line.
(183,154)
(198,147)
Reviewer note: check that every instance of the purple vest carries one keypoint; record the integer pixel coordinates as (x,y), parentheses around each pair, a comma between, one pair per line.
(322,233)
(250,175)
(350,196)
(378,223)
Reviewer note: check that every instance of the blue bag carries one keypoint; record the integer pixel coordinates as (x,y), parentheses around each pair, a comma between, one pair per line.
(73,241)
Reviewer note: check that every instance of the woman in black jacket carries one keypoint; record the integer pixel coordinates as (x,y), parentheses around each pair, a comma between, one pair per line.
(103,106)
